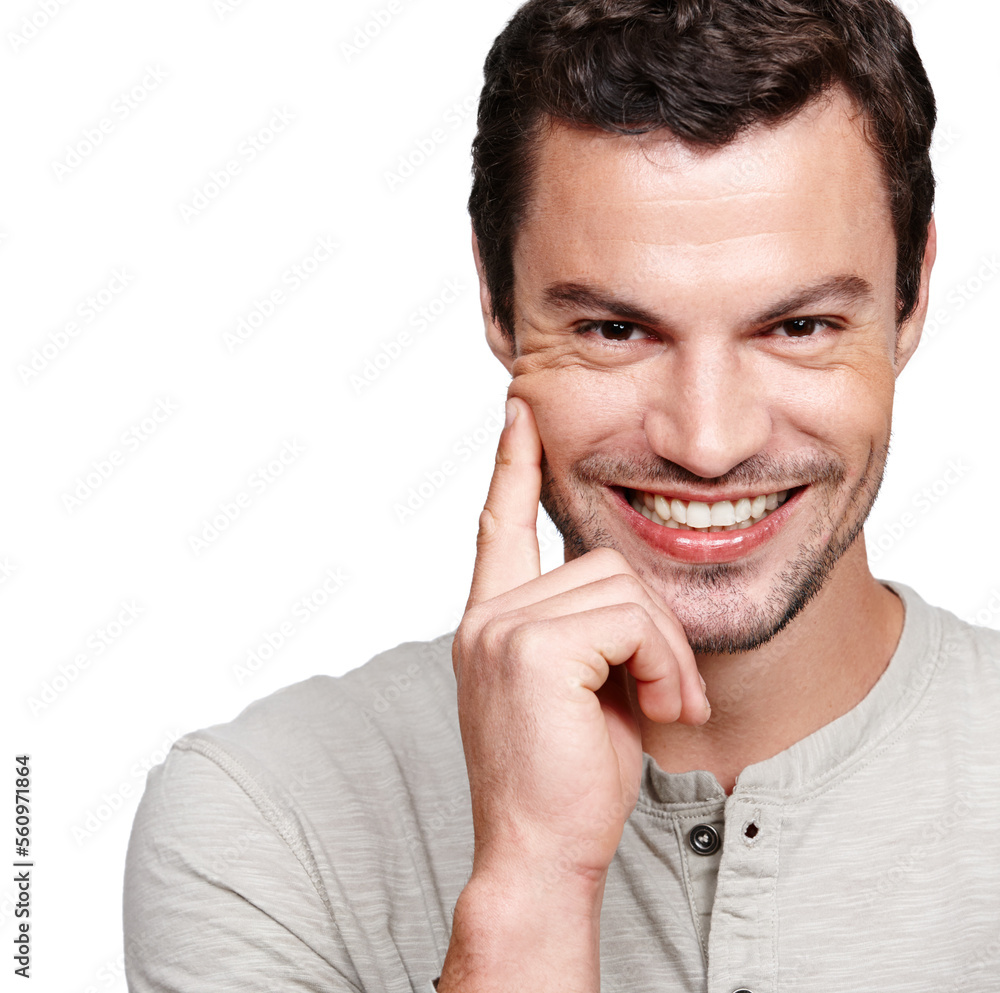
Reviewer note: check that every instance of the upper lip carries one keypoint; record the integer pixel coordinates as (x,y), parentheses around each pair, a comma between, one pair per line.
(687,496)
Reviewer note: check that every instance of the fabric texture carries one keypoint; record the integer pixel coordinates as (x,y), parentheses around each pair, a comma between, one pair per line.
(319,842)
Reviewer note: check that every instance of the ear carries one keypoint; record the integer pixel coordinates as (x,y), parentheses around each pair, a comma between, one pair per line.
(499,343)
(908,336)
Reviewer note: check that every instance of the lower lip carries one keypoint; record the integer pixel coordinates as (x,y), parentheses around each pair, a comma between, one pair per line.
(702,547)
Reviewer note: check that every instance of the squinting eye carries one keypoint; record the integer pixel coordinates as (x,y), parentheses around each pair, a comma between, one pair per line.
(612,330)
(800,327)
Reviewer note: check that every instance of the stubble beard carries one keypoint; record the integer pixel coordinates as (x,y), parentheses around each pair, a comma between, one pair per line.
(713,602)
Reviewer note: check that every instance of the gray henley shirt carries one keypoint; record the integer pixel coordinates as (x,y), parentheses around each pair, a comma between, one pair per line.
(320,840)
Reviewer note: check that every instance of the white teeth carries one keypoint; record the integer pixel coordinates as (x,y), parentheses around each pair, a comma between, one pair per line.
(724,515)
(699,515)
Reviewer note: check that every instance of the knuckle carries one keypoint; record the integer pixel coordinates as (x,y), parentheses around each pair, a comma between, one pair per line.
(506,644)
(476,615)
(626,586)
(522,642)
(633,615)
(507,648)
(468,633)
(628,618)
(492,639)
(460,644)
(488,528)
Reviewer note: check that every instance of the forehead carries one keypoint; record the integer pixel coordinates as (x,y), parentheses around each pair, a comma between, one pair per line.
(778,203)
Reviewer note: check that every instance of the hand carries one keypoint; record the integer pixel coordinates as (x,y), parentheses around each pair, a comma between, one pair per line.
(551,740)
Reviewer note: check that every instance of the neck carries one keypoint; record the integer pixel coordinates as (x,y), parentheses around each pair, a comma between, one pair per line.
(814,671)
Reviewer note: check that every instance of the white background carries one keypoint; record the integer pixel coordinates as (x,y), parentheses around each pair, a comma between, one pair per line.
(93,729)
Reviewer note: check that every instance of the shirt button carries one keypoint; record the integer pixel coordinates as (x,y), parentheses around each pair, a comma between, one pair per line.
(742,990)
(704,840)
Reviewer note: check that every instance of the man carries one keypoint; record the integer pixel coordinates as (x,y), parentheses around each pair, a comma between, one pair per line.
(710,751)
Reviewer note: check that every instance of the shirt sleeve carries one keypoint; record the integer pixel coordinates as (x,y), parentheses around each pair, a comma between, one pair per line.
(216,900)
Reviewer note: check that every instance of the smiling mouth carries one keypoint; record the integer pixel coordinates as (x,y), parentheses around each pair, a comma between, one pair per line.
(708,518)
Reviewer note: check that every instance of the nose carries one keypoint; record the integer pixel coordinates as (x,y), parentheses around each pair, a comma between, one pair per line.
(709,408)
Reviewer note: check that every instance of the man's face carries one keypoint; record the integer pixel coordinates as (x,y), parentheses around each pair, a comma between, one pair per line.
(713,327)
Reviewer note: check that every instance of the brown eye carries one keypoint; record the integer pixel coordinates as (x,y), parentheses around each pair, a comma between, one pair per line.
(800,327)
(613,332)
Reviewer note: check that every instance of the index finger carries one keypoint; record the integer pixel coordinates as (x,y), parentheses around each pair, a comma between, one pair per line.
(507,544)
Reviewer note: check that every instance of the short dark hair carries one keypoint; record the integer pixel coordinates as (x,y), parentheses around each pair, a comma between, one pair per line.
(706,70)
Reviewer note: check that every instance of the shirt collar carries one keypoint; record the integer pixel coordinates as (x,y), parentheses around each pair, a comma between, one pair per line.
(835,750)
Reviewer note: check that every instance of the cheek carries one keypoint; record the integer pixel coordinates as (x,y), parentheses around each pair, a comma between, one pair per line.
(577,409)
(846,409)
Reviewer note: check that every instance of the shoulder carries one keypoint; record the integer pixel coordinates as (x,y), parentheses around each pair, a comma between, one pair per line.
(958,662)
(323,762)
(958,640)
(343,728)
(288,820)
(397,692)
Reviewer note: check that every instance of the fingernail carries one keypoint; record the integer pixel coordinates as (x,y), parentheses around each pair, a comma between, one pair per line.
(511,409)
(704,685)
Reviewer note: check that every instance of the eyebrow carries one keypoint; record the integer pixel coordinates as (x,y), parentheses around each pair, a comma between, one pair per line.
(847,289)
